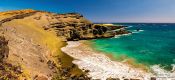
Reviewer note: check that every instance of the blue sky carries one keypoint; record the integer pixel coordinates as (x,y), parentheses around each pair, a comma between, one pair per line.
(103,10)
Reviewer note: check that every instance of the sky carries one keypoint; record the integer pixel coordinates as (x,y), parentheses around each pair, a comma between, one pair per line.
(154,11)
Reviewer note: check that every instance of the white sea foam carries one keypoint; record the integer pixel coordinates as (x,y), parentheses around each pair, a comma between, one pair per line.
(135,31)
(139,30)
(173,69)
(126,34)
(118,36)
(100,66)
(162,74)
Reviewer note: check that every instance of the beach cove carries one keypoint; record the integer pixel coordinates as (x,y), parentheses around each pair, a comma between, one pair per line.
(95,57)
(99,64)
(96,63)
(152,45)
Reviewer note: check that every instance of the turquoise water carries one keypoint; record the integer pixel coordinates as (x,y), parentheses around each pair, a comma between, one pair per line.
(154,45)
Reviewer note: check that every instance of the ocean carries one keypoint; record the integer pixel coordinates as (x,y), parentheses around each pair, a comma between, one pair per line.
(153,44)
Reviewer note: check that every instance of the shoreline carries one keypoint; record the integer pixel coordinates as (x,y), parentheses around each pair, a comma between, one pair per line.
(123,59)
(101,66)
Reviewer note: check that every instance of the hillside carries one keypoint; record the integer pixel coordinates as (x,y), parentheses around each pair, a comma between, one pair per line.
(35,38)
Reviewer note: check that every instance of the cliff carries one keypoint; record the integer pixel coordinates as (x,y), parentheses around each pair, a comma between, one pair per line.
(35,38)
(73,26)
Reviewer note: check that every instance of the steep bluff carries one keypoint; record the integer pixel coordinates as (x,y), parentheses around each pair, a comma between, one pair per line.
(35,38)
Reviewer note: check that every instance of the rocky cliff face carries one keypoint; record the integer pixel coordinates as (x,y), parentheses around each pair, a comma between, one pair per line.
(35,38)
(73,26)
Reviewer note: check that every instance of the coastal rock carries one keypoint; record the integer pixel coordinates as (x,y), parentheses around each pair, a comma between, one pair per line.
(122,31)
(90,31)
(4,50)
(73,26)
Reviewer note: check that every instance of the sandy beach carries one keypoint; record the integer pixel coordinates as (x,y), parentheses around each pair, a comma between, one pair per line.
(100,66)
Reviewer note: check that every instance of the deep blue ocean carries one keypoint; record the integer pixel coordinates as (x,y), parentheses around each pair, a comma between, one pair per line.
(153,44)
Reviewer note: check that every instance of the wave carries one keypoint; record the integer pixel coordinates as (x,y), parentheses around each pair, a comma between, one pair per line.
(118,36)
(135,31)
(129,27)
(162,73)
(139,30)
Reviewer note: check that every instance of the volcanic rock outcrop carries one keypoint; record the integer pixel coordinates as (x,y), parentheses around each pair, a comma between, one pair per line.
(73,26)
